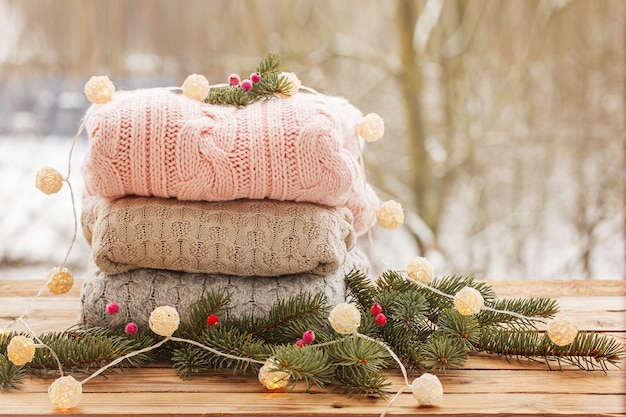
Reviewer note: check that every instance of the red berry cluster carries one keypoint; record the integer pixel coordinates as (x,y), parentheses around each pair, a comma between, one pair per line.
(234,80)
(308,337)
(112,309)
(379,317)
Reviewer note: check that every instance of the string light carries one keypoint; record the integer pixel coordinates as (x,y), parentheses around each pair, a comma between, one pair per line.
(345,318)
(420,270)
(293,84)
(60,280)
(468,301)
(390,214)
(99,89)
(371,127)
(21,350)
(270,377)
(427,389)
(196,86)
(562,331)
(49,180)
(164,320)
(65,392)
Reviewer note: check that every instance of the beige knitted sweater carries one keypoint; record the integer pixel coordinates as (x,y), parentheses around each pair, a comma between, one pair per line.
(241,237)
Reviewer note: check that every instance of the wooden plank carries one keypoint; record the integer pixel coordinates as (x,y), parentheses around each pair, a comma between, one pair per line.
(312,404)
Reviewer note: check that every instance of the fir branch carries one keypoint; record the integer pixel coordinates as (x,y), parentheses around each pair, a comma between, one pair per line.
(288,319)
(271,84)
(216,301)
(464,328)
(304,364)
(360,289)
(80,349)
(532,308)
(226,339)
(442,352)
(359,365)
(588,351)
(10,375)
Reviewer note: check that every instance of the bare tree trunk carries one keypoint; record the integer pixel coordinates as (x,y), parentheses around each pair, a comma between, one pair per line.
(410,80)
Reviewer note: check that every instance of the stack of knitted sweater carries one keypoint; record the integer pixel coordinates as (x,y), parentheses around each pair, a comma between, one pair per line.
(182,197)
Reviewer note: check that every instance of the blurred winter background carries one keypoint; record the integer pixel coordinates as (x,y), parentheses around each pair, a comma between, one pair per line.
(504,119)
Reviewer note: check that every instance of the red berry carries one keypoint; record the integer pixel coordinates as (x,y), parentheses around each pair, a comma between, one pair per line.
(131,328)
(212,319)
(113,308)
(234,80)
(376,309)
(246,85)
(255,77)
(300,343)
(381,319)
(308,337)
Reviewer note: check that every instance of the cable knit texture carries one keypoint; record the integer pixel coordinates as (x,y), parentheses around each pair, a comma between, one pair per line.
(154,142)
(241,237)
(140,291)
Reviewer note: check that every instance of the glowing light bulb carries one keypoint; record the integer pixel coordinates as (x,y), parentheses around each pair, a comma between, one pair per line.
(21,350)
(196,87)
(164,320)
(99,89)
(48,180)
(468,301)
(562,331)
(271,377)
(390,215)
(427,389)
(371,127)
(65,392)
(60,280)
(420,270)
(345,318)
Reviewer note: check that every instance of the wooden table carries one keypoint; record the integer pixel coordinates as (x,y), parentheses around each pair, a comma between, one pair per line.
(485,386)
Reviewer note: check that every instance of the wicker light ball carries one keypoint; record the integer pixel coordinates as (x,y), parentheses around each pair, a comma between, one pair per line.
(60,280)
(99,89)
(49,180)
(420,270)
(371,127)
(164,320)
(293,83)
(562,331)
(196,86)
(427,389)
(345,318)
(65,392)
(21,350)
(390,214)
(469,301)
(270,377)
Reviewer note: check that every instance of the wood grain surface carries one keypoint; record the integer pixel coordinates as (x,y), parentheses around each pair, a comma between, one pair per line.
(486,386)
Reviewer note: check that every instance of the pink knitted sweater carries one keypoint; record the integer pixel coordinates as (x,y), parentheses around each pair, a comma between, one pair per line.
(154,142)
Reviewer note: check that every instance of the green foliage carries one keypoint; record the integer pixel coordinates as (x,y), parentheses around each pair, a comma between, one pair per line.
(272,83)
(423,329)
(10,375)
(306,364)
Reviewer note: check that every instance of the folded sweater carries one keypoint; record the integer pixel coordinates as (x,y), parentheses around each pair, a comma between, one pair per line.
(241,237)
(154,142)
(140,291)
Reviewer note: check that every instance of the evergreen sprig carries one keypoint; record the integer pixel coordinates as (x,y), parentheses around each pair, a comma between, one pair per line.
(271,84)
